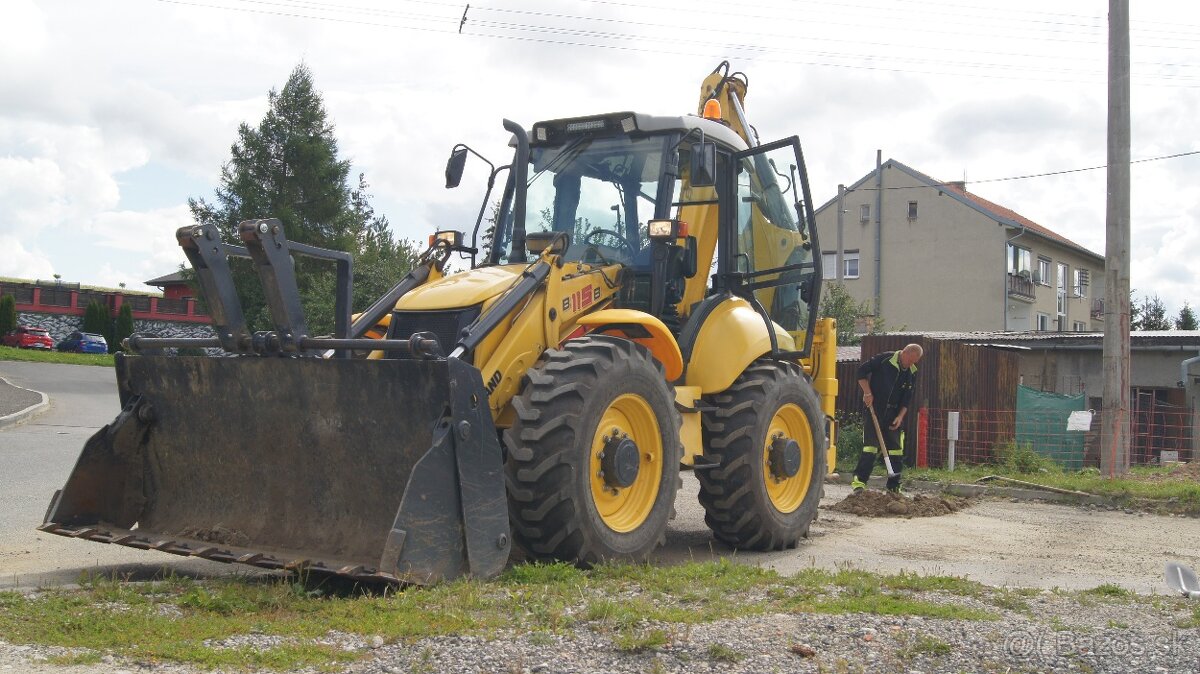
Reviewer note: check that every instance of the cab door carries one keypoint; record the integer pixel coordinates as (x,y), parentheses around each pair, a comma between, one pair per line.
(770,247)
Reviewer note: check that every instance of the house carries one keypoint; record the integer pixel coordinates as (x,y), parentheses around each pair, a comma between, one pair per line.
(174,286)
(930,255)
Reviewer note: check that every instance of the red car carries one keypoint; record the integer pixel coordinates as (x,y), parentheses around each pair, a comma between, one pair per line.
(29,338)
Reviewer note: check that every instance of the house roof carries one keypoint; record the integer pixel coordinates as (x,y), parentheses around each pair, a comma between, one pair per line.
(173,278)
(957,191)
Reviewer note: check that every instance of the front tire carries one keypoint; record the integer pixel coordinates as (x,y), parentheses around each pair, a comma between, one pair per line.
(764,492)
(593,454)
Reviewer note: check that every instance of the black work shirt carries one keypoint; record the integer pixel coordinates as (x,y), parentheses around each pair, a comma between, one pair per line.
(890,385)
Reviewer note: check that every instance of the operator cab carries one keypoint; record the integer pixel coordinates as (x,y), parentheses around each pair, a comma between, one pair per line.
(591,186)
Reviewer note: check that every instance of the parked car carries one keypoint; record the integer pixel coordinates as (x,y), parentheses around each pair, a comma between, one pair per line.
(26,337)
(84,342)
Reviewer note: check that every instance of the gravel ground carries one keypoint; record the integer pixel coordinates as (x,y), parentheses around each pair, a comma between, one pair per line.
(1046,631)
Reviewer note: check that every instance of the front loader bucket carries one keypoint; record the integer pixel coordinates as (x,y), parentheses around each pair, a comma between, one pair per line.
(371,469)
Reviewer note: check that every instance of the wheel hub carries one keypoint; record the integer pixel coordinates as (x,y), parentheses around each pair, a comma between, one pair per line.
(620,460)
(784,457)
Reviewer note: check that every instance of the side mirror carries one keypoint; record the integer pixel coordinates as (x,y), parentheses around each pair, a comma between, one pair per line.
(454,166)
(704,164)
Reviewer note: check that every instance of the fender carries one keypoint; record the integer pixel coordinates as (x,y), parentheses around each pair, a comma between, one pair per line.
(642,328)
(732,336)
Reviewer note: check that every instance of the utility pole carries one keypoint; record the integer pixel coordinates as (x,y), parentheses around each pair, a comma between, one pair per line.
(879,235)
(841,208)
(1114,444)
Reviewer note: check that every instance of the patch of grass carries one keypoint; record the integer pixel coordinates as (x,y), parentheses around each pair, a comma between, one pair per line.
(1108,590)
(1190,622)
(723,653)
(1009,600)
(173,618)
(1117,625)
(925,646)
(906,580)
(1172,495)
(636,641)
(38,356)
(88,658)
(1058,625)
(894,604)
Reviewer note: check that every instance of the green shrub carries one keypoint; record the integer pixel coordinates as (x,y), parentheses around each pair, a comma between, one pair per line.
(124,328)
(1021,458)
(8,314)
(849,442)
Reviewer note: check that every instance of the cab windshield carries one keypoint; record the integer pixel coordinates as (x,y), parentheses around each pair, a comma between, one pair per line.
(599,191)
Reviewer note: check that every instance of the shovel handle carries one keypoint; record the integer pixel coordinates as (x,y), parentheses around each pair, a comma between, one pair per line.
(887,460)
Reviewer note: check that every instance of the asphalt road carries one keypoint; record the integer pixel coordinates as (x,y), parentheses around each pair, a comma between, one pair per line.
(35,458)
(997,542)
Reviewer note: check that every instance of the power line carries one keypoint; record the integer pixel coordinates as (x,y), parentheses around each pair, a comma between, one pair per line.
(1031,175)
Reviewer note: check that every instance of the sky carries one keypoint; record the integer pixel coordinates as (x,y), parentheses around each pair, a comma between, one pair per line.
(115,112)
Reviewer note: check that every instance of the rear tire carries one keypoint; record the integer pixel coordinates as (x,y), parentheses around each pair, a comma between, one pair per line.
(561,504)
(747,504)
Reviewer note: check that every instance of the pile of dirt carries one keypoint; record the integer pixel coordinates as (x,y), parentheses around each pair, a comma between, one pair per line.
(871,503)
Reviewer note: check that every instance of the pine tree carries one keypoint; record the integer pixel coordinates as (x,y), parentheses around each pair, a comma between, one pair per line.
(1187,318)
(288,168)
(97,320)
(1149,314)
(124,327)
(8,314)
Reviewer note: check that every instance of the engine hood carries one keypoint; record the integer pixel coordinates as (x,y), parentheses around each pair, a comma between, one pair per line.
(464,289)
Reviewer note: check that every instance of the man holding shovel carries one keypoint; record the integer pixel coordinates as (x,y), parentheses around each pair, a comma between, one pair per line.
(886,381)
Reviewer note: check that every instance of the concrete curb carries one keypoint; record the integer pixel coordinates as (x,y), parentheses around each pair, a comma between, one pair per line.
(973,490)
(22,415)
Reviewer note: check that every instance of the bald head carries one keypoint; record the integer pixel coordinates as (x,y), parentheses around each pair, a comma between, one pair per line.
(910,354)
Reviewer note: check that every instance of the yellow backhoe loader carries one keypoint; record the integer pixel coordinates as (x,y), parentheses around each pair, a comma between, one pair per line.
(645,303)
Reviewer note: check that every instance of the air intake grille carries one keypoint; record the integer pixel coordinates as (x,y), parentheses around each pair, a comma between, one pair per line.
(447,326)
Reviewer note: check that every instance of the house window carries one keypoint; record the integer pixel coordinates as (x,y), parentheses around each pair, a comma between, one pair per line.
(1018,259)
(912,210)
(849,264)
(850,260)
(1043,321)
(864,213)
(1043,271)
(1081,282)
(1078,326)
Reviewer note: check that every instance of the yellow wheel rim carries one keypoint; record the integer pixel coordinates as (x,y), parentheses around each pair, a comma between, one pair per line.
(624,509)
(787,493)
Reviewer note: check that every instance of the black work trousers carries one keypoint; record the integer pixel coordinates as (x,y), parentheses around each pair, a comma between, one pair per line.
(893,444)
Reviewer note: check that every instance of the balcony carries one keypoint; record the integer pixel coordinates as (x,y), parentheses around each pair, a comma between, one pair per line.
(1021,287)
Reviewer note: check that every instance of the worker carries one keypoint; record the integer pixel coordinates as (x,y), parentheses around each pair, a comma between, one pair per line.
(886,381)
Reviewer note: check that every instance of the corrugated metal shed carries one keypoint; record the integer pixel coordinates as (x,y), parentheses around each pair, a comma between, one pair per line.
(951,376)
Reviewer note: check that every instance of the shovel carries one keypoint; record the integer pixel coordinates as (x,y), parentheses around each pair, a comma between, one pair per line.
(1183,580)
(887,461)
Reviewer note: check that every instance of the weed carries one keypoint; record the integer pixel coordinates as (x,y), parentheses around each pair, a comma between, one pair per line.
(1109,590)
(636,641)
(723,653)
(925,646)
(85,658)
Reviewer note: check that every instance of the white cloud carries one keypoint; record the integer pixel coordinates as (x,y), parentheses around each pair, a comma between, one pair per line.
(17,262)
